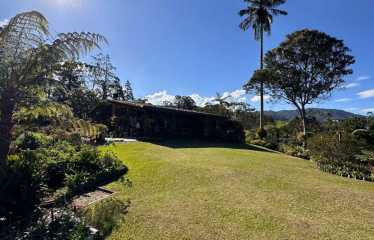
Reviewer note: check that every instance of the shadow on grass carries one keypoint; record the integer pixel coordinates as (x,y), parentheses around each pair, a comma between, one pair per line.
(179,143)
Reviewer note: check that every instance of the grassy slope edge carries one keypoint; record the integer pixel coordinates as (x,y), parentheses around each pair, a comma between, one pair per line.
(184,192)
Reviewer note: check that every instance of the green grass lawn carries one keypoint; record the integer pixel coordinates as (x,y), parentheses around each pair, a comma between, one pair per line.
(230,192)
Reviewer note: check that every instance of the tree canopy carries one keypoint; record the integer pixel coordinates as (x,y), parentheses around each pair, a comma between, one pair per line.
(304,69)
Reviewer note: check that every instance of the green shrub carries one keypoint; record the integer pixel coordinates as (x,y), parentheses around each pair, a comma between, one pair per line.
(106,215)
(89,168)
(261,133)
(269,140)
(249,136)
(32,141)
(41,165)
(63,226)
(365,137)
(339,155)
(76,181)
(294,150)
(20,189)
(75,139)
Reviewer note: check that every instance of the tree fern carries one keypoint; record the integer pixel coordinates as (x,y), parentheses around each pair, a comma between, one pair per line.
(28,54)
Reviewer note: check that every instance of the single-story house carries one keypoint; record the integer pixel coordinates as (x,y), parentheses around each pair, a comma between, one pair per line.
(146,121)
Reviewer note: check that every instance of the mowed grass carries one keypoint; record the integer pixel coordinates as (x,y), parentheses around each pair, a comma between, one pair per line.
(230,192)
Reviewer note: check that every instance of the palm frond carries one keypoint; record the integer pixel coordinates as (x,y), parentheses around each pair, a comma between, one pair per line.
(254,3)
(259,15)
(277,12)
(272,3)
(247,11)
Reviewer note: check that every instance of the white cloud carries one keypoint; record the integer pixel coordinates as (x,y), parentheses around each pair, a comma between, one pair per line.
(201,101)
(364,77)
(257,98)
(235,96)
(352,109)
(352,85)
(4,22)
(366,110)
(367,94)
(343,100)
(160,97)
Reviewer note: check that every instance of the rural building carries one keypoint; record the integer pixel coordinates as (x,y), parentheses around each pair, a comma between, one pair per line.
(146,121)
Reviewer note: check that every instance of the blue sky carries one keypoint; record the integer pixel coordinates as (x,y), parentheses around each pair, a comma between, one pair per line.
(195,47)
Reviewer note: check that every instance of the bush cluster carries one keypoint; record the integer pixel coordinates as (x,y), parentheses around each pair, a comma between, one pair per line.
(64,226)
(294,150)
(40,165)
(340,154)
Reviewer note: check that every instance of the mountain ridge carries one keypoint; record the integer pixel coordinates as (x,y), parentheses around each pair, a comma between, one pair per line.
(321,114)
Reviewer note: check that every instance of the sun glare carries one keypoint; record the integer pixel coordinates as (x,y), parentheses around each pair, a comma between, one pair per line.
(72,3)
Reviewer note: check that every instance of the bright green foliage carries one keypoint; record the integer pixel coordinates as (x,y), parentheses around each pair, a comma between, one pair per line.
(57,120)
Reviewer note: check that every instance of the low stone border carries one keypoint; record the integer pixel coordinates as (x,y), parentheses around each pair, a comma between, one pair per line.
(89,198)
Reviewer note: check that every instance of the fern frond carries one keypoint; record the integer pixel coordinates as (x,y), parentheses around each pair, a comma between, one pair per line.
(70,45)
(23,32)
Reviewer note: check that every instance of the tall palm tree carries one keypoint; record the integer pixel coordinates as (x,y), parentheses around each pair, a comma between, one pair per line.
(28,55)
(259,16)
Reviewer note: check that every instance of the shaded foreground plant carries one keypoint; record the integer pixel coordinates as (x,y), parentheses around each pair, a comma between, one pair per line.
(27,58)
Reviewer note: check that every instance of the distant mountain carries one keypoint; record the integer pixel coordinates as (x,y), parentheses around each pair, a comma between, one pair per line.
(321,114)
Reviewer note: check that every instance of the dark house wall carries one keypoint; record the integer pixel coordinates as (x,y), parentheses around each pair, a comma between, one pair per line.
(125,119)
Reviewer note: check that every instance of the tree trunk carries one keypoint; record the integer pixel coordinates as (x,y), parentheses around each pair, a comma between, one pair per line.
(6,126)
(262,84)
(303,119)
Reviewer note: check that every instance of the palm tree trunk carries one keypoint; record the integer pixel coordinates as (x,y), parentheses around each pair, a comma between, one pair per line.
(262,84)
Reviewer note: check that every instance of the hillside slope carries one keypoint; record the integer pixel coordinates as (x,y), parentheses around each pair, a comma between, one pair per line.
(320,114)
(192,191)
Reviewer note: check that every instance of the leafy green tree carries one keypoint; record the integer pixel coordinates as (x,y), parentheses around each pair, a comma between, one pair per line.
(118,93)
(71,88)
(184,102)
(222,101)
(27,59)
(370,121)
(259,16)
(239,111)
(104,75)
(304,69)
(167,103)
(69,78)
(129,95)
